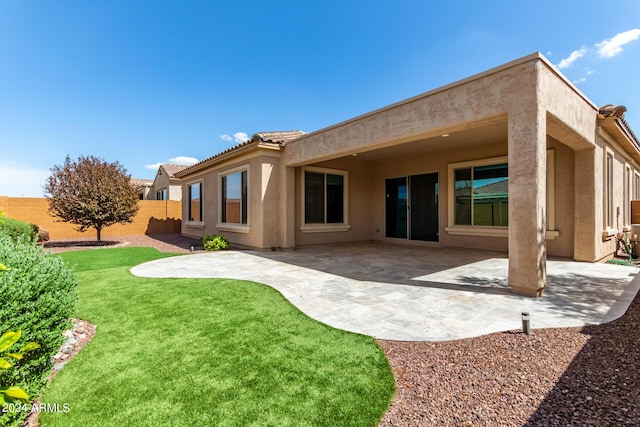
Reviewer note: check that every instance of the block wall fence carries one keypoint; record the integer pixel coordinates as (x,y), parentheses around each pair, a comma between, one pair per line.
(153,217)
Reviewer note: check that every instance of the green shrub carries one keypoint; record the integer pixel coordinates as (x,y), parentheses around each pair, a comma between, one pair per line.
(215,243)
(18,230)
(621,262)
(8,357)
(37,296)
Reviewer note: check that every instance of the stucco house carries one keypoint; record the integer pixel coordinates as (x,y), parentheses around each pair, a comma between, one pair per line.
(142,186)
(515,159)
(165,184)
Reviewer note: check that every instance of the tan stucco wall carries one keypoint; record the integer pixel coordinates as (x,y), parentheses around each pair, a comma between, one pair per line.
(267,209)
(564,172)
(570,115)
(263,228)
(536,101)
(605,246)
(593,239)
(153,217)
(359,205)
(527,92)
(437,161)
(481,99)
(535,108)
(368,193)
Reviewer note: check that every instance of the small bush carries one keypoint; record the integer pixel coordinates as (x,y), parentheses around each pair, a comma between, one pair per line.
(19,231)
(626,262)
(37,297)
(215,243)
(43,235)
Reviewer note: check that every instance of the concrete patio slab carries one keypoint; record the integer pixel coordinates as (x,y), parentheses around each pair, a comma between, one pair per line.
(415,293)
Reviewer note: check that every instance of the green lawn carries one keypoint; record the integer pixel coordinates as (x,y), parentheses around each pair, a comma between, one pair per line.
(203,352)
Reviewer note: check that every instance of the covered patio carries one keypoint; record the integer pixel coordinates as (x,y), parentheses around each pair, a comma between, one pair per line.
(402,292)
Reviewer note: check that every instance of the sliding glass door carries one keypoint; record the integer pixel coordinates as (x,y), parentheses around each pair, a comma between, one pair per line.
(396,207)
(411,207)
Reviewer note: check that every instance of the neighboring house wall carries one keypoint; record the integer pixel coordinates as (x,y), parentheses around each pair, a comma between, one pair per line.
(166,184)
(153,217)
(142,186)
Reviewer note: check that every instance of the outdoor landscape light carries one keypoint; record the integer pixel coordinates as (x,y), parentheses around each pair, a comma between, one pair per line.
(193,248)
(526,327)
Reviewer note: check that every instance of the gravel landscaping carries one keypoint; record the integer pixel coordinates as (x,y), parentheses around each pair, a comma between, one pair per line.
(174,243)
(586,376)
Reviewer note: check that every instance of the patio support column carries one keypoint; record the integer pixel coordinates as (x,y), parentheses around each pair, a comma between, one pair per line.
(527,147)
(587,197)
(287,214)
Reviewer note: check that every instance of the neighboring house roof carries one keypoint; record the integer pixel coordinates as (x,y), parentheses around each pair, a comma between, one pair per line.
(497,187)
(494,189)
(277,138)
(171,170)
(141,182)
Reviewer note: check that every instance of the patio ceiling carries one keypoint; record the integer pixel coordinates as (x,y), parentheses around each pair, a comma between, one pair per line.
(466,137)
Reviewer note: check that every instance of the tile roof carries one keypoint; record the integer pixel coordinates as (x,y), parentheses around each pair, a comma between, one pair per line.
(497,187)
(173,169)
(632,135)
(617,112)
(492,189)
(141,182)
(279,137)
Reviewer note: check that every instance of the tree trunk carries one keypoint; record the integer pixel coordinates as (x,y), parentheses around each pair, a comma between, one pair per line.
(98,232)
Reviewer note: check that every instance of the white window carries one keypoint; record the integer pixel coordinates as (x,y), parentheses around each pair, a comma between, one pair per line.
(195,202)
(162,194)
(324,199)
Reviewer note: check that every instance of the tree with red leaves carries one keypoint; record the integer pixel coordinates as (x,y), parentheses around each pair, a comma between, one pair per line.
(91,193)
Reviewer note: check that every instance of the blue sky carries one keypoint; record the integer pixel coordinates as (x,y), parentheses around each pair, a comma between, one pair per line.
(148,82)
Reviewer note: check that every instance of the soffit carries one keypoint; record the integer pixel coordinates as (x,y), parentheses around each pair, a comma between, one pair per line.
(460,139)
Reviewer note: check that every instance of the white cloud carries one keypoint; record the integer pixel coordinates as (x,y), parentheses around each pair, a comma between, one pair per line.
(183,160)
(611,47)
(179,160)
(580,80)
(240,137)
(575,55)
(153,166)
(19,180)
